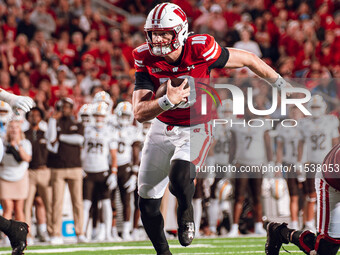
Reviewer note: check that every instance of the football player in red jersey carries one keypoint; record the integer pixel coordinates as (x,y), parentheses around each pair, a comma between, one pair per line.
(327,240)
(167,155)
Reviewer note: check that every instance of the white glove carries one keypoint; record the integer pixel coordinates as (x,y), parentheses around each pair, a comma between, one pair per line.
(21,102)
(111,181)
(131,184)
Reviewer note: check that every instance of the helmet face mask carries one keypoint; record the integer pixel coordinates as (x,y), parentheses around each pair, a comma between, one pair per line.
(125,120)
(85,119)
(100,120)
(166,17)
(85,115)
(124,114)
(317,106)
(100,113)
(226,109)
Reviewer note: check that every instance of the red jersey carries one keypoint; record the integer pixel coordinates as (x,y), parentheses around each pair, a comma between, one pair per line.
(331,166)
(198,55)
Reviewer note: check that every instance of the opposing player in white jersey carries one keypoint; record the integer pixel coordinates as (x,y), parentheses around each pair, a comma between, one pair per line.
(250,148)
(128,138)
(219,155)
(99,144)
(286,154)
(319,133)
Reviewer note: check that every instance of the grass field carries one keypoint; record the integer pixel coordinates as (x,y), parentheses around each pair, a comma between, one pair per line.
(216,246)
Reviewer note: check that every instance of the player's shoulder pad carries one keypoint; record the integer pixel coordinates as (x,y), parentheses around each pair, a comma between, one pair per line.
(141,55)
(203,45)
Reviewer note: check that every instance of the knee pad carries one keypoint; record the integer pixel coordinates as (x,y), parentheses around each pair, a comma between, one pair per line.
(149,207)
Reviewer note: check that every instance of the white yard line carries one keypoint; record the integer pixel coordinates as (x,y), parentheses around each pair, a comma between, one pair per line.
(111,248)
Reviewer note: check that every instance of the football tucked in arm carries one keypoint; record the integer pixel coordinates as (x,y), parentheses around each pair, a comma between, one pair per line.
(175,82)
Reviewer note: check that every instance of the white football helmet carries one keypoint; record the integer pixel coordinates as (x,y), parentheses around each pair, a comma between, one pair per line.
(224,190)
(317,106)
(5,112)
(100,113)
(85,114)
(226,109)
(166,17)
(124,113)
(278,188)
(103,96)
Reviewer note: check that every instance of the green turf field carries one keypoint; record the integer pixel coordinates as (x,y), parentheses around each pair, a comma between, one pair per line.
(218,246)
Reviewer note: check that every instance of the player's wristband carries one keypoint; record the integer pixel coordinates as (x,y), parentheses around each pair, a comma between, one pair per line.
(165,103)
(280,83)
(114,170)
(135,169)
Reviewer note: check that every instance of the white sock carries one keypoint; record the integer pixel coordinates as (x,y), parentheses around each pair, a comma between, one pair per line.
(42,228)
(197,205)
(258,226)
(86,205)
(234,227)
(213,211)
(107,215)
(114,231)
(126,227)
(310,224)
(102,227)
(294,225)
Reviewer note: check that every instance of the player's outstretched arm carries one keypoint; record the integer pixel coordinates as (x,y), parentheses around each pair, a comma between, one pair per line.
(16,102)
(240,58)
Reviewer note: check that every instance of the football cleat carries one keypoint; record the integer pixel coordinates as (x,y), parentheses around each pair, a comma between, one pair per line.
(186,233)
(17,235)
(274,238)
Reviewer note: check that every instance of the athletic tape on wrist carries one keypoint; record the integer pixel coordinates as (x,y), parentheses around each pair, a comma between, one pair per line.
(165,103)
(280,83)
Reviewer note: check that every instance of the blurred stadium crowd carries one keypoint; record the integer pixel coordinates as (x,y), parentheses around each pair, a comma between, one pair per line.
(74,49)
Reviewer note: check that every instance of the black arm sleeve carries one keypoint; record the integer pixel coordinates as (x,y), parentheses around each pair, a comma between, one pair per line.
(143,81)
(222,59)
(14,152)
